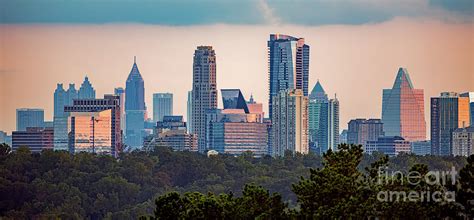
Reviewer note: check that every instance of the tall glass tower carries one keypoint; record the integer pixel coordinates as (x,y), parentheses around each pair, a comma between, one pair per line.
(204,91)
(62,98)
(86,91)
(403,109)
(328,133)
(162,106)
(316,99)
(29,117)
(288,65)
(134,108)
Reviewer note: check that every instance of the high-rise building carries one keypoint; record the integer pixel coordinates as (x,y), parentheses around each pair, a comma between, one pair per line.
(94,126)
(288,65)
(3,137)
(162,105)
(255,108)
(35,138)
(448,112)
(86,91)
(171,132)
(421,148)
(62,98)
(362,130)
(316,99)
(235,130)
(470,95)
(29,117)
(290,122)
(189,111)
(343,137)
(403,109)
(135,109)
(204,91)
(120,92)
(328,133)
(463,141)
(389,145)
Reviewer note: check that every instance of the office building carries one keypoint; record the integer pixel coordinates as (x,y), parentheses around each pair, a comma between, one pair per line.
(189,111)
(234,129)
(94,126)
(328,133)
(171,132)
(403,109)
(421,148)
(29,117)
(120,92)
(316,99)
(362,130)
(135,109)
(3,137)
(35,138)
(448,112)
(389,145)
(470,95)
(86,91)
(290,123)
(463,141)
(256,108)
(204,91)
(162,105)
(288,65)
(62,98)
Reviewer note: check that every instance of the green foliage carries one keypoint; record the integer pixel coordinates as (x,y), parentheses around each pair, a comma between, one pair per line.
(55,184)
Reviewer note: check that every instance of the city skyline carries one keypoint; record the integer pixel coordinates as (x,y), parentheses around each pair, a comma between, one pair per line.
(323,65)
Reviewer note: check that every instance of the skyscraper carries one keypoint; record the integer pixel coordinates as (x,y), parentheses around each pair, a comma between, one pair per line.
(134,108)
(94,126)
(86,91)
(470,95)
(328,133)
(189,111)
(288,65)
(403,109)
(35,138)
(463,141)
(362,130)
(204,91)
(290,122)
(162,105)
(62,98)
(448,112)
(29,117)
(316,99)
(120,92)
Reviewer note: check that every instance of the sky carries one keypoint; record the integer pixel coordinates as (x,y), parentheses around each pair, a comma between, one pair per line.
(356,47)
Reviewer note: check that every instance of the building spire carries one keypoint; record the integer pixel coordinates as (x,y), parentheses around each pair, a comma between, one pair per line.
(134,59)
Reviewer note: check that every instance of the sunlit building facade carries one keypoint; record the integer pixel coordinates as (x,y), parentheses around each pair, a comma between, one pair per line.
(448,112)
(470,96)
(204,94)
(288,65)
(290,123)
(403,109)
(94,126)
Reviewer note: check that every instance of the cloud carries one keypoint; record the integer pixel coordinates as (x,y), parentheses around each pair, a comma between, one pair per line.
(268,13)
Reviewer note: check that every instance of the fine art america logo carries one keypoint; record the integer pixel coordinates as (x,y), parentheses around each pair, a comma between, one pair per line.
(429,187)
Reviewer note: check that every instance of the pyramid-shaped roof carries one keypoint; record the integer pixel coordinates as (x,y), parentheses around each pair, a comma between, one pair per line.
(134,73)
(318,92)
(402,77)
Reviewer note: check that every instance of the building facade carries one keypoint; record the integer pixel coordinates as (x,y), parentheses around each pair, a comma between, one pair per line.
(86,91)
(389,145)
(62,98)
(94,126)
(237,128)
(120,92)
(421,148)
(171,132)
(162,105)
(316,99)
(29,117)
(328,133)
(288,65)
(362,130)
(403,109)
(448,112)
(204,94)
(189,111)
(290,123)
(135,109)
(470,95)
(35,138)
(463,141)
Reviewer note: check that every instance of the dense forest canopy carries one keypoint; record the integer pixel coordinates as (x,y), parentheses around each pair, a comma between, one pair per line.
(57,184)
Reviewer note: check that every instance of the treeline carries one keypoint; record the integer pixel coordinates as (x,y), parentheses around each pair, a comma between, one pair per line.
(56,184)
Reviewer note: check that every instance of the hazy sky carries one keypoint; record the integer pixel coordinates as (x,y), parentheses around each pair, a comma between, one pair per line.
(355,50)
